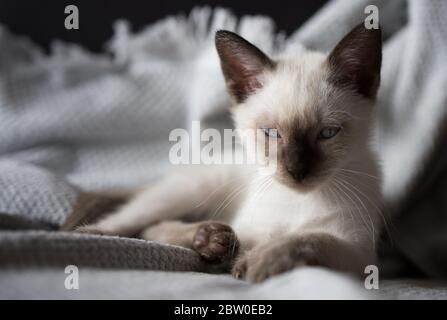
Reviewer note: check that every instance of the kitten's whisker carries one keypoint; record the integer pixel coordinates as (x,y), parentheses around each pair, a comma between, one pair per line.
(229,196)
(379,211)
(368,227)
(231,200)
(343,208)
(261,189)
(339,208)
(360,180)
(359,172)
(247,182)
(350,116)
(232,196)
(363,205)
(350,209)
(243,177)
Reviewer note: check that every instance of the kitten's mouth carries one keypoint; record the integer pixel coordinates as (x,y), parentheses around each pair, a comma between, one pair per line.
(303,185)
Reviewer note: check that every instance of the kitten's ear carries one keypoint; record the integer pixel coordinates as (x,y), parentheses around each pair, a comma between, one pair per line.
(242,64)
(355,61)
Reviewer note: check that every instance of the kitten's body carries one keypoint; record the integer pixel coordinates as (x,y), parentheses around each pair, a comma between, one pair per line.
(320,207)
(347,204)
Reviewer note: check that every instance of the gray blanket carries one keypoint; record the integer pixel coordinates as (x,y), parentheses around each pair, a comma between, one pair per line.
(74,121)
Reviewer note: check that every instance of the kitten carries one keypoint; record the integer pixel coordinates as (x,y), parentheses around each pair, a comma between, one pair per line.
(320,207)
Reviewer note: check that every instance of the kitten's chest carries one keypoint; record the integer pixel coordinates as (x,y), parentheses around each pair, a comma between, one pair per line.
(278,209)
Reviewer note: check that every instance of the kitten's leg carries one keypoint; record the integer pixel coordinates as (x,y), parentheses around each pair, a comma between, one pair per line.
(215,241)
(183,193)
(317,249)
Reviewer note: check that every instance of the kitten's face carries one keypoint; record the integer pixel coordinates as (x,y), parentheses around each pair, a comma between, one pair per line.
(320,105)
(318,125)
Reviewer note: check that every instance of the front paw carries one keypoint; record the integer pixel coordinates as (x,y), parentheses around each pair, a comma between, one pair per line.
(215,242)
(272,259)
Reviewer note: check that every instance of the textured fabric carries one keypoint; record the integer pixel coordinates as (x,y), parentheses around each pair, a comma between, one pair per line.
(33,193)
(49,249)
(73,120)
(136,284)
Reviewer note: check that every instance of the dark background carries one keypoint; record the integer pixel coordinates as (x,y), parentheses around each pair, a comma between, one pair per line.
(43,21)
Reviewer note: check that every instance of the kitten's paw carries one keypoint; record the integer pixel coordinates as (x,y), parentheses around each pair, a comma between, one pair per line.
(216,242)
(269,260)
(239,269)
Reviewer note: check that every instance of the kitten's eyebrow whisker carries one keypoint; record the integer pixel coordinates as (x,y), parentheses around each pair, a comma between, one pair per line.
(349,115)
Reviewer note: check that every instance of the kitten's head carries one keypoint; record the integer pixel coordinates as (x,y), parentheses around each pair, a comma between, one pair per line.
(320,105)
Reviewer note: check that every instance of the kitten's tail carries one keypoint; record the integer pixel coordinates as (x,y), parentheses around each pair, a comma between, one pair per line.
(90,206)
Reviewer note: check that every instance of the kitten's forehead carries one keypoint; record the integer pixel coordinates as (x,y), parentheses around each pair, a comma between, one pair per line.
(297,88)
(298,97)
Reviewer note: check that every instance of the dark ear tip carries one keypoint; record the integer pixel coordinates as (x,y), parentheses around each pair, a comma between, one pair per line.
(220,33)
(362,28)
(223,35)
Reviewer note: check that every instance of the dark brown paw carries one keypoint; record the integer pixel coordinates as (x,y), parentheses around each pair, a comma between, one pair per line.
(216,242)
(272,259)
(239,269)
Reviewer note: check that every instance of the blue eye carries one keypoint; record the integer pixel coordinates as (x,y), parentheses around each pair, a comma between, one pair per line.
(271,132)
(328,132)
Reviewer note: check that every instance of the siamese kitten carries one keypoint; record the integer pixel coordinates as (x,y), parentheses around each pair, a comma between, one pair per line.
(320,207)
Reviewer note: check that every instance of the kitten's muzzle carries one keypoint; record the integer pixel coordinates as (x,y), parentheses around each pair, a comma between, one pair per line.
(299,173)
(298,160)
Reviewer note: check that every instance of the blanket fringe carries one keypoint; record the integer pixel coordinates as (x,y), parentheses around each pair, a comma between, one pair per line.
(189,32)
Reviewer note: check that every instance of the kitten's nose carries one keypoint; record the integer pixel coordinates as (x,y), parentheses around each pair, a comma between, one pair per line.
(298,174)
(299,159)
